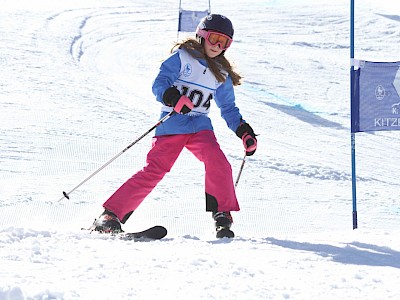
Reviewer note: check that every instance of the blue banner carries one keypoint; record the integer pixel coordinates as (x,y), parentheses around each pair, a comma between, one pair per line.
(189,19)
(376,104)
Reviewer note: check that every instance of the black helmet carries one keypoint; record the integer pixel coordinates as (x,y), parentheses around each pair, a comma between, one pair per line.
(217,23)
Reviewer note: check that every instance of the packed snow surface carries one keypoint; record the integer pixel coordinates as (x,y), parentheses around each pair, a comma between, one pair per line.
(75,90)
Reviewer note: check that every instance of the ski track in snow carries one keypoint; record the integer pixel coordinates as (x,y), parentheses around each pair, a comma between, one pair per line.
(76,89)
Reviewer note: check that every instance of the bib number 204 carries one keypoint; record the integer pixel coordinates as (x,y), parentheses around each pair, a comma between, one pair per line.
(197,97)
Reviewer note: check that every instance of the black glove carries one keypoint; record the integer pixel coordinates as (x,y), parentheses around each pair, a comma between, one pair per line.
(181,104)
(246,133)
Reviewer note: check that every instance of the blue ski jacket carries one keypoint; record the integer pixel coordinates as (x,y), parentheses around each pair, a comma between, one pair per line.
(193,78)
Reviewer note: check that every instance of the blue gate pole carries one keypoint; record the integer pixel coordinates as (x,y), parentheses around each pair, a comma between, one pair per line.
(353,137)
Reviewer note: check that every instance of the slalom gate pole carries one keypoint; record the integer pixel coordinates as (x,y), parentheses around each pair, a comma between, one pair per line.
(353,136)
(241,169)
(162,120)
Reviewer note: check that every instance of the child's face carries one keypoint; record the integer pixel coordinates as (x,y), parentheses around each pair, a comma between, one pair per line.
(212,51)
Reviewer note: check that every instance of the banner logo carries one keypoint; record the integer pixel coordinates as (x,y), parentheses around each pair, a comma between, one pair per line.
(380,92)
(396,109)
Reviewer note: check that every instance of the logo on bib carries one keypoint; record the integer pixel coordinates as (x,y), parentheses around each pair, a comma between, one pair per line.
(187,70)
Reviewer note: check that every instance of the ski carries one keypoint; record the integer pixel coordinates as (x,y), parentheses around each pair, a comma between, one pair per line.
(150,234)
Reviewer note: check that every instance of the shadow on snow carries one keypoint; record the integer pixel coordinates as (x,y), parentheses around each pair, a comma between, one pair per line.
(354,253)
(304,115)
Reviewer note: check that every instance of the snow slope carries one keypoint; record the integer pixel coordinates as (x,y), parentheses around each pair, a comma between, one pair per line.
(76,90)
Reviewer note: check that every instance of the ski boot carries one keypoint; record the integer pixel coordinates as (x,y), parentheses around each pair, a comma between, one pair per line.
(223,222)
(108,222)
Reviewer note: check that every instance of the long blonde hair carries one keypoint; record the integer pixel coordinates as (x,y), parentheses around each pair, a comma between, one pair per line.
(216,64)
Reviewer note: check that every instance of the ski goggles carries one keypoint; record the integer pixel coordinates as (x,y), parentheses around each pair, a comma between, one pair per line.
(215,38)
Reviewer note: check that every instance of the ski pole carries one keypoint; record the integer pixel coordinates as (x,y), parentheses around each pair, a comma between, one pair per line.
(162,120)
(241,169)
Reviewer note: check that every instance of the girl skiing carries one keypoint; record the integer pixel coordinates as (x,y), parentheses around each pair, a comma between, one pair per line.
(196,73)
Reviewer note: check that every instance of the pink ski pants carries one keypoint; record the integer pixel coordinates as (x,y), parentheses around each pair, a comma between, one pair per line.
(160,159)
